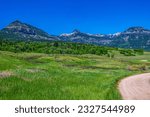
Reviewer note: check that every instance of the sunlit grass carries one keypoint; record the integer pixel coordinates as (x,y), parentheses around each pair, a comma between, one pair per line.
(66,77)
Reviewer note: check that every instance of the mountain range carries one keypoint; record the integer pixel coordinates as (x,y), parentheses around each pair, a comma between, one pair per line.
(133,37)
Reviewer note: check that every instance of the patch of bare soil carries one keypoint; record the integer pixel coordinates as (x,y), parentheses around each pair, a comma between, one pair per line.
(5,74)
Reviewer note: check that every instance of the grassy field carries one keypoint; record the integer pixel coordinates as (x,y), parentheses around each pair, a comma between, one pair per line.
(66,77)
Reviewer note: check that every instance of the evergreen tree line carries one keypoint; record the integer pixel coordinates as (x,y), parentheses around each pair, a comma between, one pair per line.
(62,48)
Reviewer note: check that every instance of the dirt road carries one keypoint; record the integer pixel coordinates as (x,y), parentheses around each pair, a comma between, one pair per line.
(135,87)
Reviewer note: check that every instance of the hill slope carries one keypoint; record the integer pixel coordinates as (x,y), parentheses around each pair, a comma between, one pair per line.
(23,31)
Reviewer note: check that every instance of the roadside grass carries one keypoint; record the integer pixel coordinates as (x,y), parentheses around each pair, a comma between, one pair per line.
(66,77)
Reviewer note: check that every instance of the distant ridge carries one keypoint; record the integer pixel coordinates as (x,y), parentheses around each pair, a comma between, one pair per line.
(134,37)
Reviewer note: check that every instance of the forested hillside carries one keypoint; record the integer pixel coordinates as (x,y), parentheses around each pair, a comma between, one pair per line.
(56,47)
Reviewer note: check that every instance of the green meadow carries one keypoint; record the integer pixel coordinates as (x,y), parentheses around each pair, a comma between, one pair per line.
(34,76)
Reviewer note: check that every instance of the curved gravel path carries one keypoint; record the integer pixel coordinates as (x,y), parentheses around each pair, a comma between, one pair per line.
(135,87)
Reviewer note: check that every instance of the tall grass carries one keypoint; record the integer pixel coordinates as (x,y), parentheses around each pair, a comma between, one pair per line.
(65,77)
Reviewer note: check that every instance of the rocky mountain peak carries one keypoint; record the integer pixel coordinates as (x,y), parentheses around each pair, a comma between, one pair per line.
(17,26)
(76,31)
(137,29)
(25,30)
(16,22)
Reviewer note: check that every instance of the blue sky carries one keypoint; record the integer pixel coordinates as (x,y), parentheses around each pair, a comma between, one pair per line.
(63,16)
